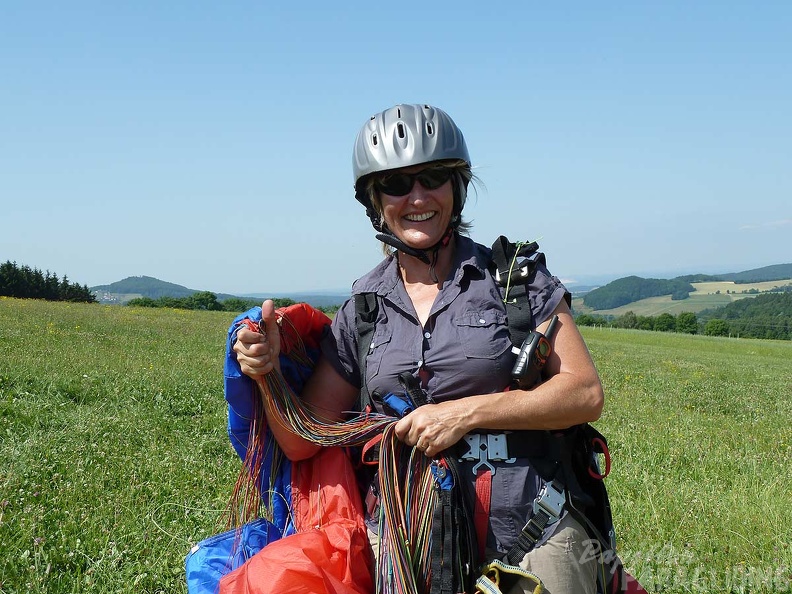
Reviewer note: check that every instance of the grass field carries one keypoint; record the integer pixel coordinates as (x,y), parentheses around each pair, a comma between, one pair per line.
(116,460)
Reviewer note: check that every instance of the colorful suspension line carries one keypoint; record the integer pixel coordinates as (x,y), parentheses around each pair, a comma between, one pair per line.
(408,493)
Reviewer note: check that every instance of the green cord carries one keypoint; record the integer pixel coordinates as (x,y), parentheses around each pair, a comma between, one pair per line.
(518,245)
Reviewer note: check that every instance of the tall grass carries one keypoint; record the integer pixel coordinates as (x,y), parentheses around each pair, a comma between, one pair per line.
(113,446)
(114,458)
(700,430)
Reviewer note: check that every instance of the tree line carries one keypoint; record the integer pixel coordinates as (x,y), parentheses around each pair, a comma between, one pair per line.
(207,301)
(768,315)
(686,322)
(764,316)
(24,282)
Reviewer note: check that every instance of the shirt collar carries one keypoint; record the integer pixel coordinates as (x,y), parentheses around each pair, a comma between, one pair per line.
(471,261)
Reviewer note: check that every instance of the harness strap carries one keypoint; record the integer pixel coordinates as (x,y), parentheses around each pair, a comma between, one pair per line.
(548,507)
(512,276)
(482,511)
(365,320)
(442,546)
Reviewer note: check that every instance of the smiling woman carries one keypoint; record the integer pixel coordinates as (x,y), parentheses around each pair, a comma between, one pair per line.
(441,344)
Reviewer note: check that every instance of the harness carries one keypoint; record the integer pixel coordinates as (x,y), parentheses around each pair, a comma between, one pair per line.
(564,460)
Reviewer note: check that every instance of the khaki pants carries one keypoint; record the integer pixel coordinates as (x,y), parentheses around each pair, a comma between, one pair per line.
(563,563)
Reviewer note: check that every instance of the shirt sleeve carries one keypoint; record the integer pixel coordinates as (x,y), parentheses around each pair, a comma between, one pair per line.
(545,292)
(339,346)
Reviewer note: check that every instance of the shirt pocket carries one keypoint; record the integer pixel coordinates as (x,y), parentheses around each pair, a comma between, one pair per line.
(483,334)
(376,353)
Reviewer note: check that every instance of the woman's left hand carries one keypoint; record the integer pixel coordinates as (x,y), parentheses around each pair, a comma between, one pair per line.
(433,428)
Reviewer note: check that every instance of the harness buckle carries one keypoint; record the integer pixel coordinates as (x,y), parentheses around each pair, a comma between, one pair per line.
(550,500)
(505,277)
(485,447)
(519,272)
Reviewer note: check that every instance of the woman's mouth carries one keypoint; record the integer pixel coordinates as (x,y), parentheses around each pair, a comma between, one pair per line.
(419,217)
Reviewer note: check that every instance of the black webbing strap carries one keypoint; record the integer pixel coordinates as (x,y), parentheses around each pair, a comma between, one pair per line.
(365,320)
(529,536)
(443,546)
(534,529)
(513,269)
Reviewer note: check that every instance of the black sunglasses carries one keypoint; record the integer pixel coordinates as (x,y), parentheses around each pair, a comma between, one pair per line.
(401,184)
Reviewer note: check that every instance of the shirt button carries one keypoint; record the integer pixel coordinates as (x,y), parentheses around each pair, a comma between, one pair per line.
(427,335)
(482,321)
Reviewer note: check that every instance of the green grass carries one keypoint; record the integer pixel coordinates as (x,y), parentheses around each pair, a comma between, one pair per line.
(700,433)
(112,436)
(116,460)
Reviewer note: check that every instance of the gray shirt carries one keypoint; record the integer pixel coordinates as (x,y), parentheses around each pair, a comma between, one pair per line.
(462,350)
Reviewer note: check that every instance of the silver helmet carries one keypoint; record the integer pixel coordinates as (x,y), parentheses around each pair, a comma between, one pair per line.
(402,136)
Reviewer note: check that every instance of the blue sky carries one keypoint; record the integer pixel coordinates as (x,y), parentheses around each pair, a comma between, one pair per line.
(209,144)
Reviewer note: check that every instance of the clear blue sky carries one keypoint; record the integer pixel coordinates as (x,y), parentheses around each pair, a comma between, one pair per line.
(209,144)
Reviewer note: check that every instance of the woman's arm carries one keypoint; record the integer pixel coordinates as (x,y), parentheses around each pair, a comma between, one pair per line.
(571,394)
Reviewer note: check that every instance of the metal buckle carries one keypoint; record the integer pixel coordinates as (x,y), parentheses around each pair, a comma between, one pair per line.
(551,501)
(486,447)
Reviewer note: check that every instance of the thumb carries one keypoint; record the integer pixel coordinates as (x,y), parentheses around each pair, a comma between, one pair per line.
(270,322)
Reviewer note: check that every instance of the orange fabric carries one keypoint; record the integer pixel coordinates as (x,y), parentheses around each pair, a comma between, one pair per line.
(304,321)
(330,552)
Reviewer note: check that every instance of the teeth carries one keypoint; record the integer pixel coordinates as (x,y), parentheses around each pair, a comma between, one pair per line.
(420,217)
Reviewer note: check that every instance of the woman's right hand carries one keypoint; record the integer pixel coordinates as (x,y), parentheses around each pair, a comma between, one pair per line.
(257,352)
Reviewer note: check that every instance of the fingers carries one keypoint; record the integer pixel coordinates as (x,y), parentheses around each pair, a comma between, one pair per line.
(257,352)
(432,428)
(417,435)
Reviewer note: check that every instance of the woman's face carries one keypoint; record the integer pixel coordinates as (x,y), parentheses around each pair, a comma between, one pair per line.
(421,217)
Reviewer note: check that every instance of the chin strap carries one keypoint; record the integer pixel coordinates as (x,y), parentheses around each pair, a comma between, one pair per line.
(427,256)
(397,243)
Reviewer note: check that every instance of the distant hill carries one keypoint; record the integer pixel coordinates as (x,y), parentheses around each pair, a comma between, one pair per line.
(634,288)
(756,275)
(146,286)
(624,291)
(143,286)
(760,275)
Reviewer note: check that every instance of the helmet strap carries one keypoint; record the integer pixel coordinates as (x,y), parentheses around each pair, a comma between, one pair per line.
(388,238)
(427,256)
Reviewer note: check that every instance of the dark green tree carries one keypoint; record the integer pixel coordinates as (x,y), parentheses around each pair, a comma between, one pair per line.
(204,300)
(716,328)
(665,322)
(687,323)
(628,320)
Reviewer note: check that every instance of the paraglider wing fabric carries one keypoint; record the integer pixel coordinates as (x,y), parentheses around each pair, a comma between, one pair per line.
(215,556)
(330,551)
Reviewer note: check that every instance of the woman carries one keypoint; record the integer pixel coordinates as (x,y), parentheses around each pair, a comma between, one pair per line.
(441,317)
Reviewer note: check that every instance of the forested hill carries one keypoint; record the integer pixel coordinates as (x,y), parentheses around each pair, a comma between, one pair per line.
(764,316)
(633,288)
(757,275)
(147,286)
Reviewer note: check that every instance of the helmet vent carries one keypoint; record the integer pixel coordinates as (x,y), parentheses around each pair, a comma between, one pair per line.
(398,112)
(400,129)
(429,128)
(374,140)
